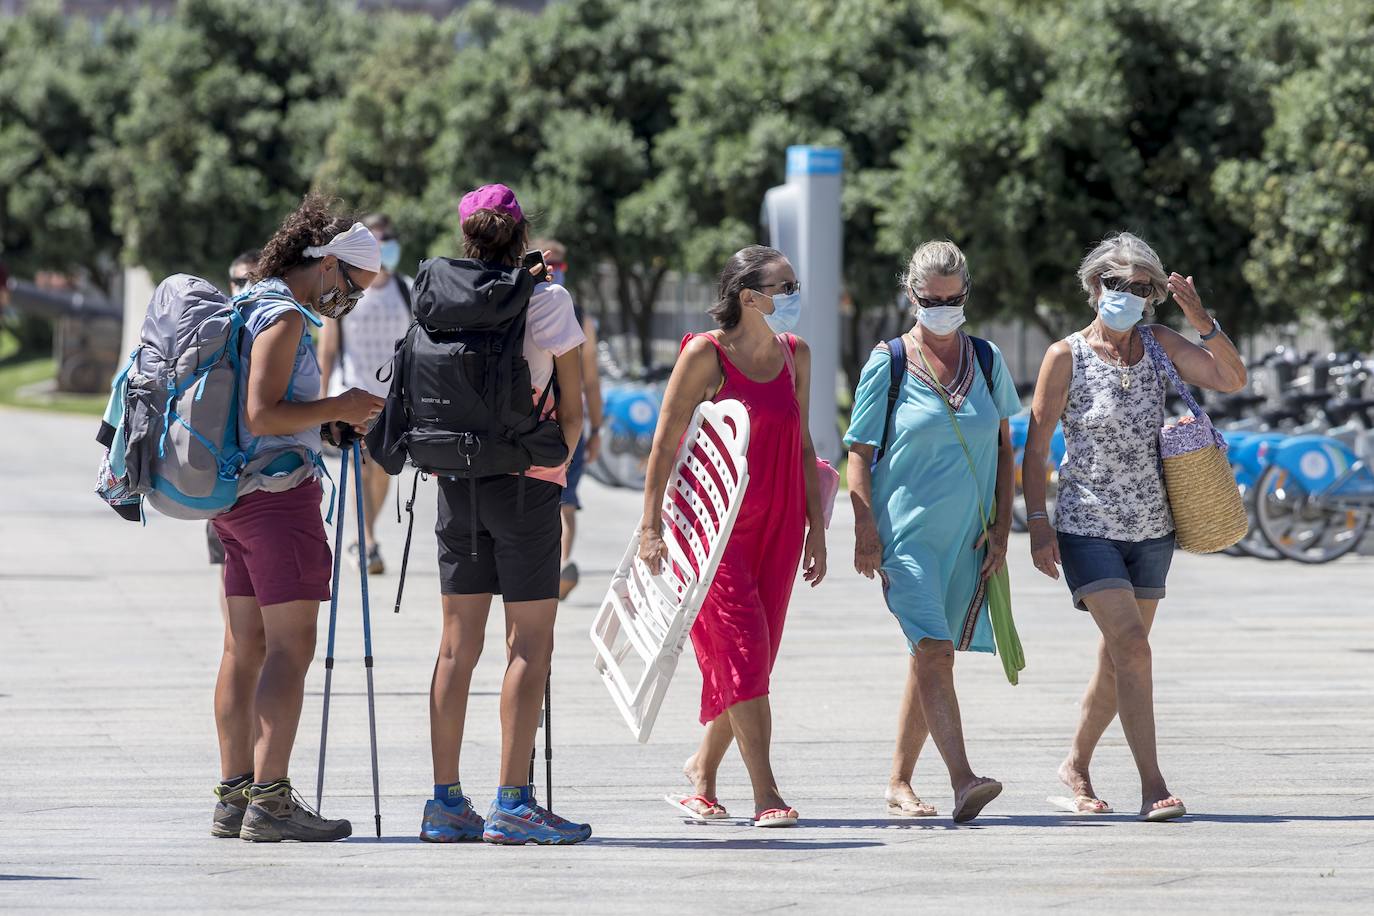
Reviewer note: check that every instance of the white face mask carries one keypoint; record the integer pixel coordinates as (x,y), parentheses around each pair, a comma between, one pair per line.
(942,319)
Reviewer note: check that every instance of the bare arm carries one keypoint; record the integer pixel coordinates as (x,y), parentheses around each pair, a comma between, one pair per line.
(568,368)
(813,554)
(1000,529)
(268,413)
(1213,364)
(868,551)
(695,377)
(329,353)
(591,387)
(1047,408)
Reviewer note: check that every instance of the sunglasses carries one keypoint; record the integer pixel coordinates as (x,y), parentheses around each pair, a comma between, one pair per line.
(955,302)
(1122,285)
(787,288)
(355,292)
(239,283)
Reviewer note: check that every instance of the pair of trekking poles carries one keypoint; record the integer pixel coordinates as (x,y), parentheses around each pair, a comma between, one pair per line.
(352,448)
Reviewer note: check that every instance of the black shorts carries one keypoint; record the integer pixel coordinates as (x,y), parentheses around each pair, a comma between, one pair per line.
(517,540)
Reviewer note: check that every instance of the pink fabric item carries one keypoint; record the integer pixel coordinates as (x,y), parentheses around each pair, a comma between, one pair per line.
(737,634)
(490,197)
(275,548)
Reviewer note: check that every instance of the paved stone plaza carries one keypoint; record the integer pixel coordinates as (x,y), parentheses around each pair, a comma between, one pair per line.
(109,639)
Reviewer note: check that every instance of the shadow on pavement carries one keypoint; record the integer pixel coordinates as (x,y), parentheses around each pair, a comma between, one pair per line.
(797,845)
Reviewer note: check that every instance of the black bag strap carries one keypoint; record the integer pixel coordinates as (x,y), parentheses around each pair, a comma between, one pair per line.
(404,288)
(983,351)
(896,352)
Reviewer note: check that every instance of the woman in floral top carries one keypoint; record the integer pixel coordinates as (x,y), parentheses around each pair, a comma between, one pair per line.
(1115,537)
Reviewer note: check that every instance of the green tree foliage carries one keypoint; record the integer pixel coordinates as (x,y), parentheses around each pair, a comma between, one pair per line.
(1308,199)
(61,86)
(233,105)
(1036,140)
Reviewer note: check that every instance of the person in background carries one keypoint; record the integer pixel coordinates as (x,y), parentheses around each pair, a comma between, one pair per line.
(240,278)
(353,350)
(589,446)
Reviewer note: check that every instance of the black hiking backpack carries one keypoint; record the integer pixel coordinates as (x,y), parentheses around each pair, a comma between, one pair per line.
(461,402)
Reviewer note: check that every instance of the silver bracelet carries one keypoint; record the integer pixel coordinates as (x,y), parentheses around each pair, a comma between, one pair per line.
(1034,515)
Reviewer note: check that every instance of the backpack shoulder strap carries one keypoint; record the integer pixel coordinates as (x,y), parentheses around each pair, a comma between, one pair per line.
(404,288)
(983,351)
(896,352)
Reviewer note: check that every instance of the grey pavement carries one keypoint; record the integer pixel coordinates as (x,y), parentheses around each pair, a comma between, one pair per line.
(109,640)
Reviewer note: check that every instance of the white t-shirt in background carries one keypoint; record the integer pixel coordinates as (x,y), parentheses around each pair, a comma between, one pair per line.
(551,330)
(370,333)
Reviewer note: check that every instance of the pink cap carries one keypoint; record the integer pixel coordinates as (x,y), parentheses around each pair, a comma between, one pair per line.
(490,197)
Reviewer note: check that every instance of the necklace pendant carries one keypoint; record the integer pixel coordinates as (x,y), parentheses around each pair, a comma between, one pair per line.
(1125,382)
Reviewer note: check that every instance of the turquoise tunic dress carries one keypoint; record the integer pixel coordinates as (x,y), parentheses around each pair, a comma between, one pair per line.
(925,500)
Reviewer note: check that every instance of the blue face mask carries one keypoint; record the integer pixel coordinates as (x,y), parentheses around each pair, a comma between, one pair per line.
(391,255)
(1119,309)
(786,312)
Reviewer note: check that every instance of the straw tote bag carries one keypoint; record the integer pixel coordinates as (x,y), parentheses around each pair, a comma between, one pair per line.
(1209,514)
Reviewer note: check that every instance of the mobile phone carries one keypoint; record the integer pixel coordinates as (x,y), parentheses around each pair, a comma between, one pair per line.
(536,259)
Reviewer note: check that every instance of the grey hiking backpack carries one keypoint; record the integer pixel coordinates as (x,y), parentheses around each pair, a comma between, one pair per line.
(171,429)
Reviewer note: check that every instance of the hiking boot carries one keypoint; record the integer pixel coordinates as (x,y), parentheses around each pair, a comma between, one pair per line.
(531,824)
(375,566)
(445,823)
(229,809)
(277,812)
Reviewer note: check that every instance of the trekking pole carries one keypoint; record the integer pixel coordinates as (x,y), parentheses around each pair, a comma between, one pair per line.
(333,618)
(367,632)
(548,742)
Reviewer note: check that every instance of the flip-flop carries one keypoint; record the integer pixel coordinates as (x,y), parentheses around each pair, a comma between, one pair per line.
(911,808)
(1167,813)
(972,802)
(786,817)
(1075,805)
(680,803)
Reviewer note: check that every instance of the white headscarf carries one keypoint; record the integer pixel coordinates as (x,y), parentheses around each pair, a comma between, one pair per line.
(356,246)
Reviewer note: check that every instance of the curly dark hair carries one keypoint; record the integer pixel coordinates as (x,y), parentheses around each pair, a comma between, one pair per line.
(496,237)
(317,220)
(744,269)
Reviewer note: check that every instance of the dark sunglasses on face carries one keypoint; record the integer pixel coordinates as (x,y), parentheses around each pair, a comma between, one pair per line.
(354,292)
(787,289)
(955,302)
(1122,285)
(239,283)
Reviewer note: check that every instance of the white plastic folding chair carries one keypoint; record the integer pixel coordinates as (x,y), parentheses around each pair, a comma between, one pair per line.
(644,621)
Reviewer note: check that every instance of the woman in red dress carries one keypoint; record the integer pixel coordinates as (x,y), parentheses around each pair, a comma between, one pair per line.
(753,359)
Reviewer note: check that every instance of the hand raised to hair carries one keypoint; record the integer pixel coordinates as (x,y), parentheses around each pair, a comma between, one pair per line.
(1186,295)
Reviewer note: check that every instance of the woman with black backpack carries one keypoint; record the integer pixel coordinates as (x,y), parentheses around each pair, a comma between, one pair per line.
(277,562)
(476,377)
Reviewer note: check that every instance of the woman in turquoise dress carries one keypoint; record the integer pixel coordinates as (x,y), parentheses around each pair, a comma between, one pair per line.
(916,510)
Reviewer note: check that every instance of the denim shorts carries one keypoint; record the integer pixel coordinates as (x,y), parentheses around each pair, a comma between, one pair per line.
(575,469)
(1094,564)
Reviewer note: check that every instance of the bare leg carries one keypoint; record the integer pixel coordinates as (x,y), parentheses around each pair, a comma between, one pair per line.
(935,677)
(1119,618)
(376,485)
(465,626)
(1097,712)
(290,634)
(245,647)
(911,736)
(701,768)
(529,648)
(569,516)
(752,724)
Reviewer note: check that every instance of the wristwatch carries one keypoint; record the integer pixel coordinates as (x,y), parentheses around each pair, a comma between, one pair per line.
(1216,329)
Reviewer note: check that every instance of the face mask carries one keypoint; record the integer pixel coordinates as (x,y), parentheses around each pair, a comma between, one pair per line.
(1120,310)
(334,303)
(941,319)
(391,255)
(786,312)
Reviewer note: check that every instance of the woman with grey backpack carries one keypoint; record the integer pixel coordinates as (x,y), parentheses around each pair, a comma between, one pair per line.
(277,562)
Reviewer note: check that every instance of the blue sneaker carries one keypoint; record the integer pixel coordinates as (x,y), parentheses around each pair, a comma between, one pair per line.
(531,824)
(451,823)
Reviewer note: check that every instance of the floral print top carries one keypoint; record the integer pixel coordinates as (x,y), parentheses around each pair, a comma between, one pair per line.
(1111,483)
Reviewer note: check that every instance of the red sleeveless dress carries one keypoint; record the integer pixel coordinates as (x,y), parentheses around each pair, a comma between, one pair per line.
(737,633)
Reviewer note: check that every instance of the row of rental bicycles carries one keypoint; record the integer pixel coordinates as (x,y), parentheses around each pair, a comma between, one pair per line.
(1300,439)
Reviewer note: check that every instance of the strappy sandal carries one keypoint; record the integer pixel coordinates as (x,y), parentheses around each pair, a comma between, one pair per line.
(911,807)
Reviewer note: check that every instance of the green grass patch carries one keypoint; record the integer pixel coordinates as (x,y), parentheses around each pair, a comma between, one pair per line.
(20,375)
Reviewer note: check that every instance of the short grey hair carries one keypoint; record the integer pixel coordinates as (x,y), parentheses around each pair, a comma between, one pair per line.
(934,259)
(1123,255)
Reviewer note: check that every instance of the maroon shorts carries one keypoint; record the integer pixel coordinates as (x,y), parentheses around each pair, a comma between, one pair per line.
(274,547)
